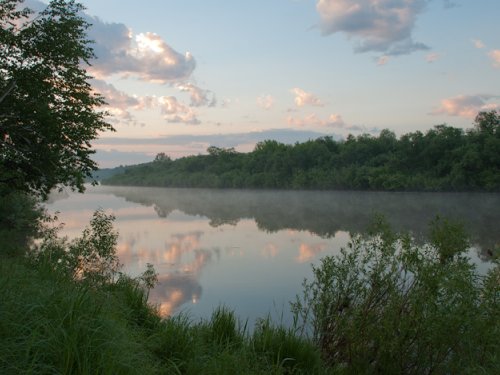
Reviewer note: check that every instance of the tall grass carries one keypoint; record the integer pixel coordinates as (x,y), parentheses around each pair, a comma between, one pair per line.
(66,309)
(51,326)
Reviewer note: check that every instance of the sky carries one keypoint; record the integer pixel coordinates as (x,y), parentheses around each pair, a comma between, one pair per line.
(181,75)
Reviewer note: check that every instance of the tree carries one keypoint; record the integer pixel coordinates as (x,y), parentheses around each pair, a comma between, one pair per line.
(49,112)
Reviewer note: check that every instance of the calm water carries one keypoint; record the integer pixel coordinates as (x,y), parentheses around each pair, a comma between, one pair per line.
(251,250)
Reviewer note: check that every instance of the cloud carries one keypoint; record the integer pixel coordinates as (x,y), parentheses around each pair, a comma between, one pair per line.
(333,121)
(431,57)
(114,151)
(199,97)
(145,56)
(313,120)
(478,43)
(467,106)
(118,102)
(303,98)
(495,57)
(383,26)
(175,111)
(265,101)
(382,60)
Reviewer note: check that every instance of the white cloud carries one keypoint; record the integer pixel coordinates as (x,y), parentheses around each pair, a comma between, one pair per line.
(495,57)
(265,101)
(176,112)
(145,56)
(199,97)
(478,43)
(303,98)
(120,103)
(467,106)
(383,26)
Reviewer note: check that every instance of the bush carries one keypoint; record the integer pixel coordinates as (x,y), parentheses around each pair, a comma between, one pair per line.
(388,305)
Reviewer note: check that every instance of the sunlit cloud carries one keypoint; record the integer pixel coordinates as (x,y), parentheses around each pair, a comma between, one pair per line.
(312,120)
(145,56)
(120,103)
(303,98)
(265,101)
(175,111)
(199,97)
(495,57)
(383,26)
(467,106)
(333,121)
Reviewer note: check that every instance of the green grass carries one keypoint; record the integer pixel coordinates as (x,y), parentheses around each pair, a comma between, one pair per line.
(51,324)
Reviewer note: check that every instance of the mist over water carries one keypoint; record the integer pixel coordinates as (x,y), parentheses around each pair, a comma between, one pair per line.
(251,250)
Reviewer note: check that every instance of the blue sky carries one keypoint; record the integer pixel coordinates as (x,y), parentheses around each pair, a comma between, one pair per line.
(219,70)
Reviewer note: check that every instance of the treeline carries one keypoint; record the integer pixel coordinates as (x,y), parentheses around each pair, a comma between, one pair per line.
(443,159)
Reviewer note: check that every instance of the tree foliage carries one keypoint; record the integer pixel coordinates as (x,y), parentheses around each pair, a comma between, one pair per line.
(443,159)
(48,110)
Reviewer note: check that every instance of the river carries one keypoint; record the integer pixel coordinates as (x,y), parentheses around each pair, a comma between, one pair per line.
(251,250)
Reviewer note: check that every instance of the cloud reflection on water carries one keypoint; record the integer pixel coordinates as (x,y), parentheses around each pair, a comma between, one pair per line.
(248,248)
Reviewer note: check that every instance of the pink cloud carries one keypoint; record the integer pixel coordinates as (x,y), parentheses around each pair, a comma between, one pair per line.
(334,120)
(303,98)
(495,57)
(467,106)
(176,112)
(199,97)
(265,101)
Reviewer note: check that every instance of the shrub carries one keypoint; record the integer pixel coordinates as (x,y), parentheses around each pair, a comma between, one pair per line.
(388,305)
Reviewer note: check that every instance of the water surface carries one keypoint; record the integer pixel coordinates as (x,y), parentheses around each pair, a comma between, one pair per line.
(251,250)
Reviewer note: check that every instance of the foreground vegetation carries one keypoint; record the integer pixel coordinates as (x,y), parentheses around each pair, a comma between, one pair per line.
(67,309)
(442,159)
(384,305)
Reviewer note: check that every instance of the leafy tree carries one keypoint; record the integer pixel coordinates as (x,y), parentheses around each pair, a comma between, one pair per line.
(444,158)
(48,110)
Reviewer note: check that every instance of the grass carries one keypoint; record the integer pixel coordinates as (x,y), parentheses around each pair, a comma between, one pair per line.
(51,324)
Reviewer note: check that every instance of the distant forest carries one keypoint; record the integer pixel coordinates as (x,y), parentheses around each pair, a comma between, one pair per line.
(443,159)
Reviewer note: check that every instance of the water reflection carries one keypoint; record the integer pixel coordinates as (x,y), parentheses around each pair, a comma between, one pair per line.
(251,250)
(326,213)
(179,264)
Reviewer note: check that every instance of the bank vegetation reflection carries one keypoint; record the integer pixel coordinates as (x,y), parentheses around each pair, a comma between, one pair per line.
(326,213)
